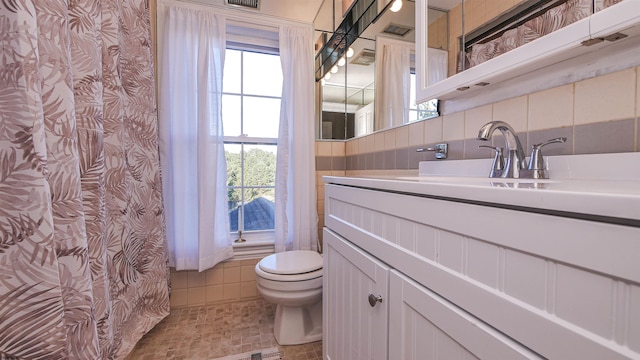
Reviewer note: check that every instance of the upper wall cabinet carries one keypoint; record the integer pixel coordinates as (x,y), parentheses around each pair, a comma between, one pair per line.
(521,39)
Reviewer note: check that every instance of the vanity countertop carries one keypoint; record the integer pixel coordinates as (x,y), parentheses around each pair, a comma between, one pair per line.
(569,194)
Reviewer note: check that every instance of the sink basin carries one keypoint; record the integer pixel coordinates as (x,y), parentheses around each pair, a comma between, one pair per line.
(614,166)
(469,179)
(447,179)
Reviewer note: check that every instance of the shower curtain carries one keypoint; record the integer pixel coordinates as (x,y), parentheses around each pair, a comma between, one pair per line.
(83,266)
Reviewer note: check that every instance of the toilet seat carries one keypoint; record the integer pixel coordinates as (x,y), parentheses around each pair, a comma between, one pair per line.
(299,265)
(292,262)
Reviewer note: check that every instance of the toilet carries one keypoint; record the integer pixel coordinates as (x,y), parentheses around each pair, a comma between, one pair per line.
(293,281)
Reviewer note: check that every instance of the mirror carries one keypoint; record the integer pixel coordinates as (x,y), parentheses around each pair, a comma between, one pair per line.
(348,94)
(481,30)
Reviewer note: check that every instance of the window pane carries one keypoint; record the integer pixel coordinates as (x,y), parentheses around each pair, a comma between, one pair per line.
(262,74)
(251,106)
(231,79)
(261,116)
(412,92)
(234,165)
(231,112)
(235,208)
(413,115)
(259,213)
(259,168)
(428,109)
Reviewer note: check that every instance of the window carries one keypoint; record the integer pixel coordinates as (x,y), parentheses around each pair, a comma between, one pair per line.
(252,89)
(422,111)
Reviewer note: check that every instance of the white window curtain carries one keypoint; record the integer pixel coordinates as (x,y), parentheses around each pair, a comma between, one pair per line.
(438,63)
(393,82)
(296,217)
(191,148)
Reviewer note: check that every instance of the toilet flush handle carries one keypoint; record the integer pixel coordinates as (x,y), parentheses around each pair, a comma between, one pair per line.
(373,299)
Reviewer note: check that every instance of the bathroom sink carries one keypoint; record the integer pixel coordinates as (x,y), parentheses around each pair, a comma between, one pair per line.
(469,179)
(442,178)
(604,185)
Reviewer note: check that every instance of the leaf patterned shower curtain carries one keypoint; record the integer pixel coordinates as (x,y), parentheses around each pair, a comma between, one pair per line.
(83,265)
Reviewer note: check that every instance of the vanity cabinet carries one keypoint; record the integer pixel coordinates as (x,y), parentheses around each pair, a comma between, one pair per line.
(351,277)
(468,279)
(426,326)
(530,62)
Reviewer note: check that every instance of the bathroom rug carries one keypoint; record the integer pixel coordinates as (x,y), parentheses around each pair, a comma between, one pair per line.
(264,354)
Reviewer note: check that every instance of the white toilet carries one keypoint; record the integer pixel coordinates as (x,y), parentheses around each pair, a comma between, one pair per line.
(293,281)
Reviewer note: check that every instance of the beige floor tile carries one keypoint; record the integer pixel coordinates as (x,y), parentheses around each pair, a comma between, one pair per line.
(210,331)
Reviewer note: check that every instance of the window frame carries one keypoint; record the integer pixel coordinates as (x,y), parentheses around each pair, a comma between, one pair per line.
(258,242)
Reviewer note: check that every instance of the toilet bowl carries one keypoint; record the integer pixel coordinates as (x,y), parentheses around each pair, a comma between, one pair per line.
(293,281)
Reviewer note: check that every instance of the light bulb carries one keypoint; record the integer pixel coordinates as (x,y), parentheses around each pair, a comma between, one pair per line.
(341,61)
(327,76)
(322,82)
(334,69)
(396,6)
(349,52)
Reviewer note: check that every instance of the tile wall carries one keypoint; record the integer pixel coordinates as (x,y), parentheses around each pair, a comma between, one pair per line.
(226,282)
(330,161)
(597,115)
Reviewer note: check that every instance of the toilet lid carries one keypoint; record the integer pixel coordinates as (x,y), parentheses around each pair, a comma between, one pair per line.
(291,262)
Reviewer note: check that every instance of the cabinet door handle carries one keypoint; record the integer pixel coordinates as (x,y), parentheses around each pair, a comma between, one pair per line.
(373,300)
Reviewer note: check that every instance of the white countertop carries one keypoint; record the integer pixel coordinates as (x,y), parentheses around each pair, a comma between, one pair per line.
(615,198)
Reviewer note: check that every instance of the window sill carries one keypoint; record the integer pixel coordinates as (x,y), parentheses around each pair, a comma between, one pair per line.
(255,247)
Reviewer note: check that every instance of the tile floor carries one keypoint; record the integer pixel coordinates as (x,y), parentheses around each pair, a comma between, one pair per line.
(211,331)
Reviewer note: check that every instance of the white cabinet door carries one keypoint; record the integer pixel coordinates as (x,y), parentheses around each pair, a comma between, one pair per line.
(352,328)
(426,326)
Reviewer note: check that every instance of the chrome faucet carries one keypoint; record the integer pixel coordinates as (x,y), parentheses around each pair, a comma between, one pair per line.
(515,160)
(515,165)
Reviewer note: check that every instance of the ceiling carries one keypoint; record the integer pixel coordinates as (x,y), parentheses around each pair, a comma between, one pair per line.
(300,10)
(304,10)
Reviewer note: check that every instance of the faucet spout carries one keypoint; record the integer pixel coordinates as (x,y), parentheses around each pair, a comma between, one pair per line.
(515,159)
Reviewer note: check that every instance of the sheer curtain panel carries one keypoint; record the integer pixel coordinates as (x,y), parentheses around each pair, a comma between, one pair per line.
(191,146)
(438,65)
(296,222)
(393,83)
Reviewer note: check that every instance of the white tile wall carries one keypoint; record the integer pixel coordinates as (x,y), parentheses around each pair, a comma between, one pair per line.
(402,137)
(453,126)
(433,130)
(605,98)
(228,281)
(551,108)
(323,148)
(610,97)
(475,118)
(337,148)
(512,111)
(416,133)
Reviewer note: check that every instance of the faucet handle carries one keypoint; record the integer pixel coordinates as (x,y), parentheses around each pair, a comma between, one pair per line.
(536,162)
(551,141)
(498,160)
